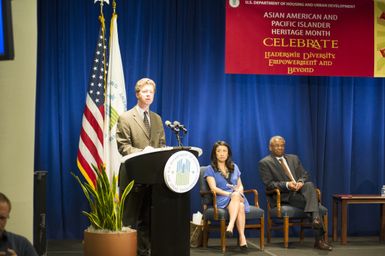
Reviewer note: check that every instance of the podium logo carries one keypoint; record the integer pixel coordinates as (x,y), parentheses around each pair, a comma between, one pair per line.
(181,172)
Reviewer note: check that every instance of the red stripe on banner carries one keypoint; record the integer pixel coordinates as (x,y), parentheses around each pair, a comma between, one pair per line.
(94,123)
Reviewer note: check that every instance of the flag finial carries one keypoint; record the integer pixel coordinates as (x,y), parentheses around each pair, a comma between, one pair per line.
(101,1)
(101,5)
(114,6)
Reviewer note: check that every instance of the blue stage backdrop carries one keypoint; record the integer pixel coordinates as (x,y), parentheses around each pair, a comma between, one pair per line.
(336,125)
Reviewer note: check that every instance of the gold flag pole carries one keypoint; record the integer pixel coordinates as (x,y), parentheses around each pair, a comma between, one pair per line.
(102,21)
(114,6)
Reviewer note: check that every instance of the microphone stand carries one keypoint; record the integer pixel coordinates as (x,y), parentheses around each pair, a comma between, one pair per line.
(178,138)
(177,128)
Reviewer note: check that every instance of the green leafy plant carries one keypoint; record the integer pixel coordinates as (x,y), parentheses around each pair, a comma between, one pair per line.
(106,210)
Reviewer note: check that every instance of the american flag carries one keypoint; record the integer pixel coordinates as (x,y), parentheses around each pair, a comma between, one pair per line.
(91,135)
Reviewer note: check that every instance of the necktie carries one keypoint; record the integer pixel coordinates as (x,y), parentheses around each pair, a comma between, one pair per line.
(286,170)
(146,122)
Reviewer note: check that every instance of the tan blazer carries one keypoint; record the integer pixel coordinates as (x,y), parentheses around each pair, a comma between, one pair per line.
(132,136)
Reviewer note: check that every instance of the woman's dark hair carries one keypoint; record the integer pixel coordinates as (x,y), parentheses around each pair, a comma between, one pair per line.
(229,161)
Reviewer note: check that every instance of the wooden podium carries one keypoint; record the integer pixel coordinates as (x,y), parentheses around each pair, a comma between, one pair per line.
(170,211)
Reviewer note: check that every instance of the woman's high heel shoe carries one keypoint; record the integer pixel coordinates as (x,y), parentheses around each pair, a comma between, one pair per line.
(229,233)
(243,247)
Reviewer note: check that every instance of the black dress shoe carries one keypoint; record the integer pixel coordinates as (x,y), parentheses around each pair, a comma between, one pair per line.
(243,248)
(316,223)
(322,245)
(229,233)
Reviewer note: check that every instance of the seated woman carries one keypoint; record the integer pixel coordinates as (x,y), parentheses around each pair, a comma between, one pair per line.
(223,177)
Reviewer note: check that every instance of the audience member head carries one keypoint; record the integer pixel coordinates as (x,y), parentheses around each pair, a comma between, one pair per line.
(221,152)
(277,146)
(5,209)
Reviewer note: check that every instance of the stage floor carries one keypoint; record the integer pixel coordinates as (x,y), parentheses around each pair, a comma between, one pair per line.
(357,246)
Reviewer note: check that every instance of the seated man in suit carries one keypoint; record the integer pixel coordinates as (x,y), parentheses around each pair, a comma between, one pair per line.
(285,172)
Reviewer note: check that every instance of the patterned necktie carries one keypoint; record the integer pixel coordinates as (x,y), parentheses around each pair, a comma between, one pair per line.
(146,122)
(287,172)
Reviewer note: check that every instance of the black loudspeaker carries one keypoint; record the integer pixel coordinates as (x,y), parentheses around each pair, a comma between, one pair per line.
(39,213)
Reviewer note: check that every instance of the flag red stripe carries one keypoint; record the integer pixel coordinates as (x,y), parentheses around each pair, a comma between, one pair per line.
(86,167)
(94,123)
(89,143)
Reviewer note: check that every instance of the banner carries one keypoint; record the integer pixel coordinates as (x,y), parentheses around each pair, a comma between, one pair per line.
(312,38)
(116,102)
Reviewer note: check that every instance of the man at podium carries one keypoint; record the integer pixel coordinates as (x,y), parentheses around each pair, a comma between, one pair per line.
(137,129)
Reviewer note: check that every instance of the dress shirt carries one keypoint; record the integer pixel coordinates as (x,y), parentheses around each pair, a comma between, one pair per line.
(288,168)
(141,113)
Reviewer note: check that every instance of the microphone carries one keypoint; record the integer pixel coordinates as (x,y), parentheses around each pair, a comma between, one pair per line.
(180,126)
(168,124)
(177,126)
(174,127)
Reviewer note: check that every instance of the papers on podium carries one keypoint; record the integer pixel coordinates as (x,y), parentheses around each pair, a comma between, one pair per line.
(148,150)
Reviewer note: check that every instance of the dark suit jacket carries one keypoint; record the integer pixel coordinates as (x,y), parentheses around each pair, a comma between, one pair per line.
(273,175)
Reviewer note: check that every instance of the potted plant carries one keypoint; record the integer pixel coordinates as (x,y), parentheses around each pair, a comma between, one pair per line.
(106,234)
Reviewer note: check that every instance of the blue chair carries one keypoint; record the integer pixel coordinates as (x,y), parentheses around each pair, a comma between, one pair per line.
(285,216)
(215,218)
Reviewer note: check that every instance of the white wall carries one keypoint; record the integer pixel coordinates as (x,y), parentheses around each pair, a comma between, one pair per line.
(17,118)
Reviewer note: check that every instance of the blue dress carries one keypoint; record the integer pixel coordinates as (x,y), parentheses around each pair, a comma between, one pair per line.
(222,183)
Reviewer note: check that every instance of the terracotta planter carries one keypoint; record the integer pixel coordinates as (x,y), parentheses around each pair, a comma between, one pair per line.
(105,243)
